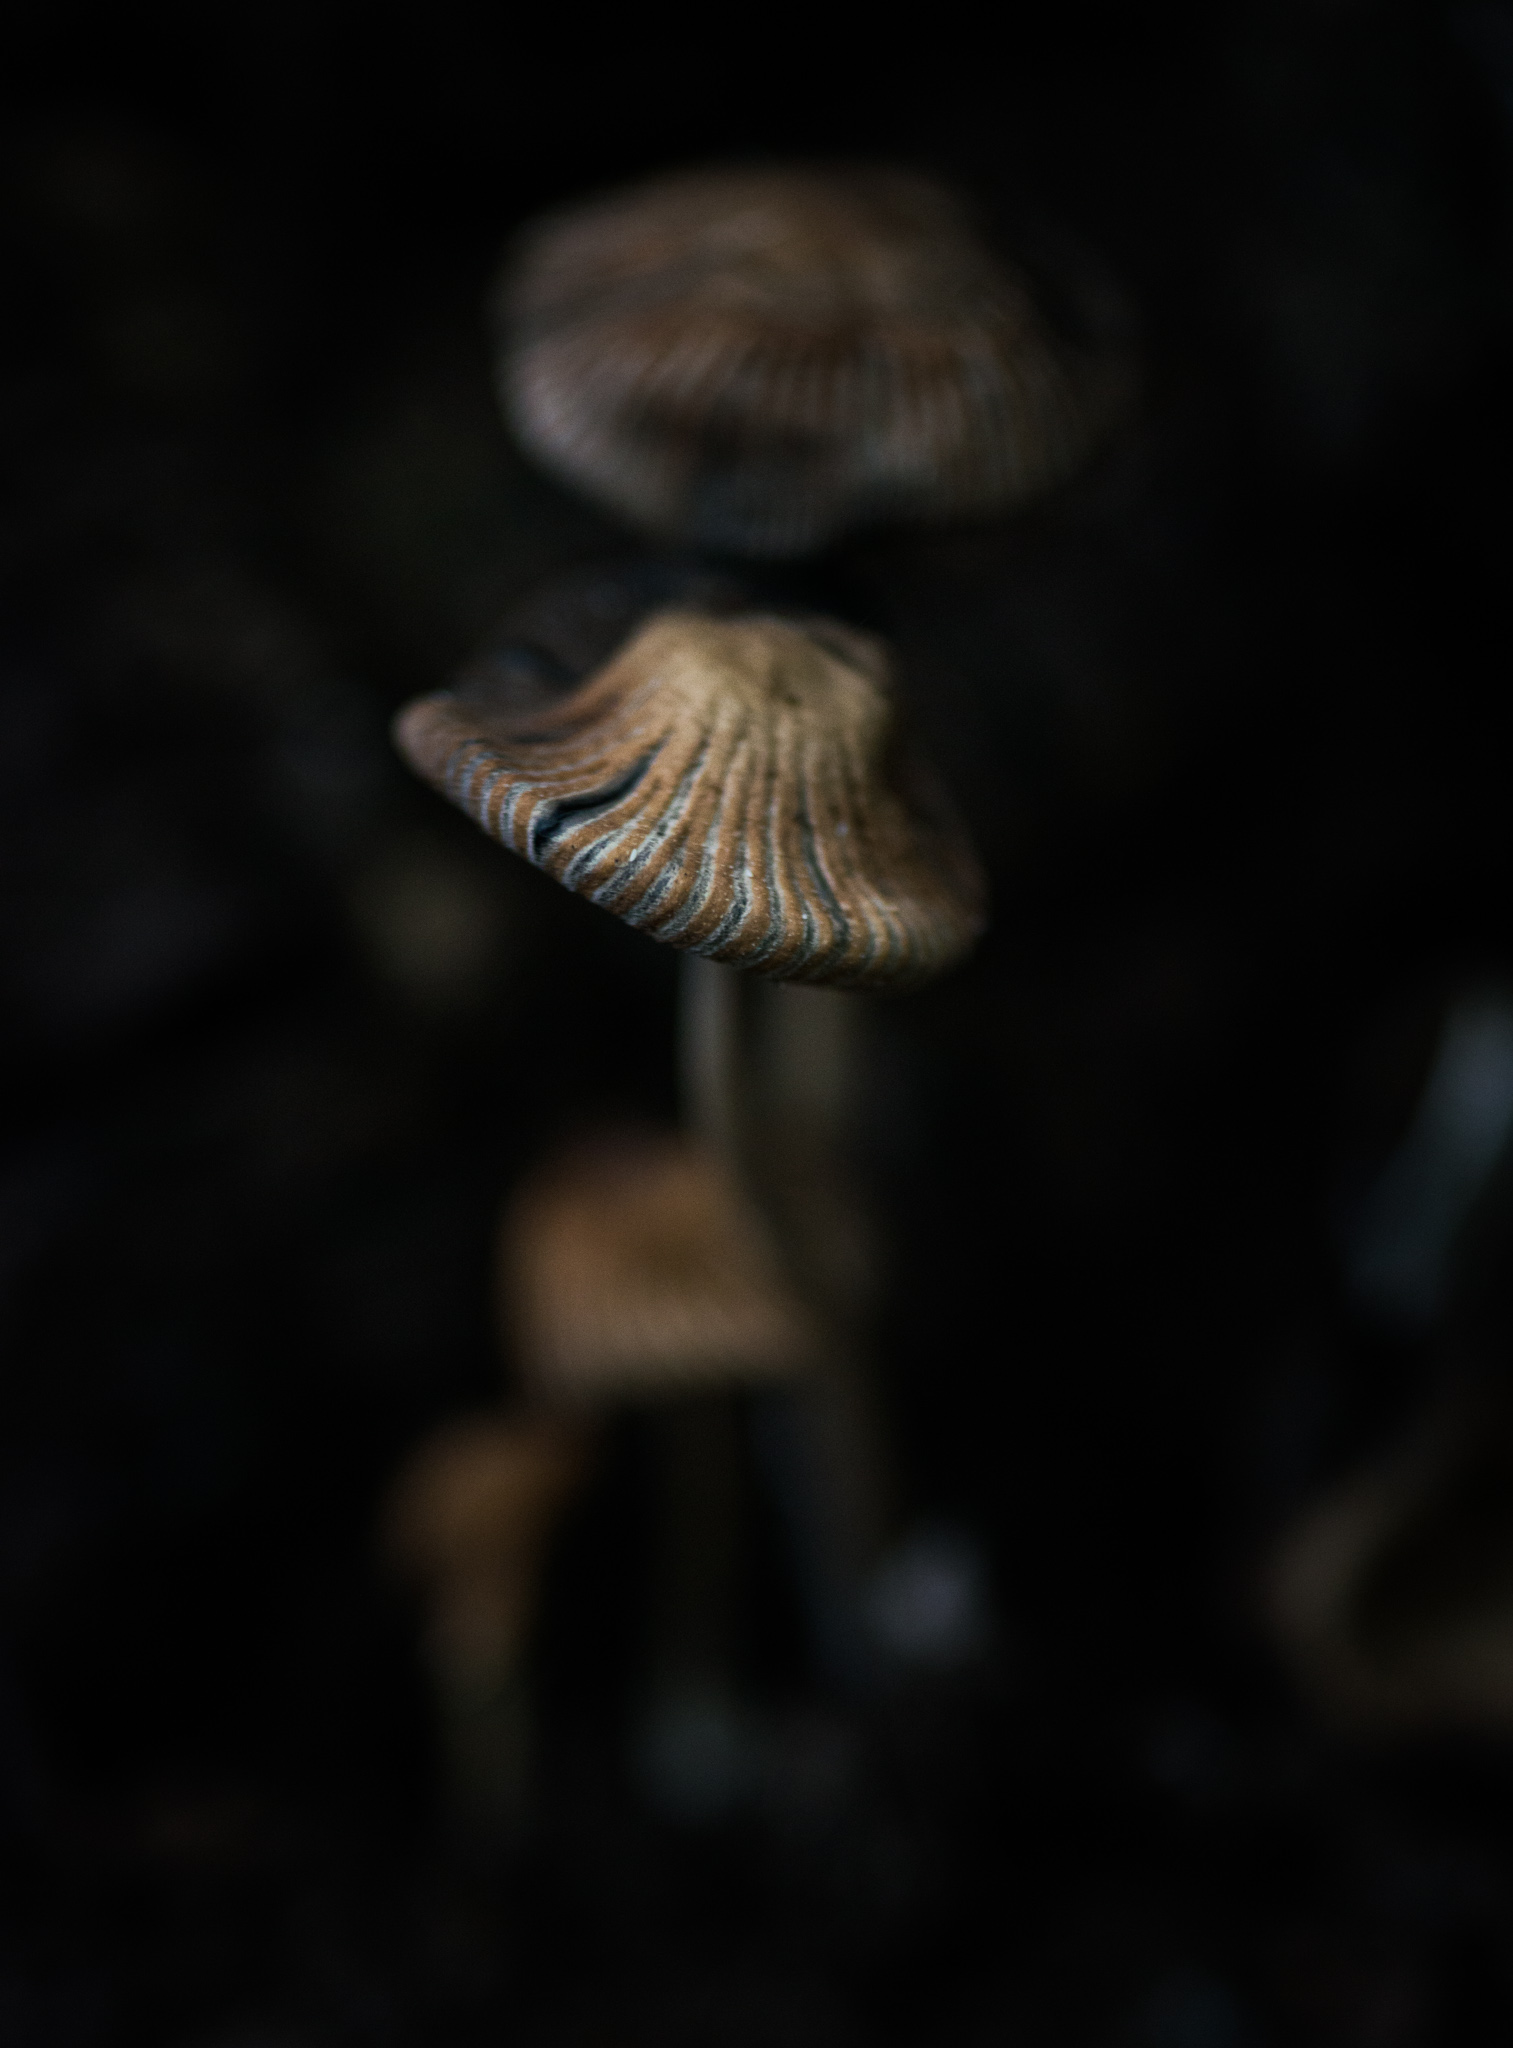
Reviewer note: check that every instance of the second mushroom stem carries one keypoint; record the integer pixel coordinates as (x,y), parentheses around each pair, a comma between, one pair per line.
(779,1124)
(696,1451)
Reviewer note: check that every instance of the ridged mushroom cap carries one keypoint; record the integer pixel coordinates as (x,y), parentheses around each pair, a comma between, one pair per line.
(763,359)
(731,786)
(634,1266)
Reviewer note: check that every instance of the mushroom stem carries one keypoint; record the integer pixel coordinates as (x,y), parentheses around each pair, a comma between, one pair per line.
(808,1054)
(474,1650)
(780,1122)
(695,1595)
(709,1050)
(825,1442)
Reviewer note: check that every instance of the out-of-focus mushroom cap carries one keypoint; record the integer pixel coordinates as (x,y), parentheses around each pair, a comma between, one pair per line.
(763,359)
(468,1518)
(1391,1595)
(478,1491)
(734,787)
(633,1266)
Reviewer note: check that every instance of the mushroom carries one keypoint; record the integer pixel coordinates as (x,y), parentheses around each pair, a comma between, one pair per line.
(634,1268)
(1392,1597)
(732,786)
(634,1264)
(468,1520)
(763,359)
(735,784)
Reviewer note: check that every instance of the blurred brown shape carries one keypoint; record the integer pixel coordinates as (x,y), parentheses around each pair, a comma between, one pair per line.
(1393,1597)
(634,1265)
(469,1519)
(734,787)
(763,359)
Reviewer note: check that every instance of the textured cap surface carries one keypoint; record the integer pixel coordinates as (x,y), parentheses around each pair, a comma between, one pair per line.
(762,359)
(634,1265)
(734,787)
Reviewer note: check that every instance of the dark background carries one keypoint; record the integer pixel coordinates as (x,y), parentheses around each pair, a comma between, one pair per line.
(280,1031)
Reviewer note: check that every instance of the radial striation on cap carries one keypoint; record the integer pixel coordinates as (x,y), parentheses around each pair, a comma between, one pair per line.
(761,360)
(731,786)
(632,1265)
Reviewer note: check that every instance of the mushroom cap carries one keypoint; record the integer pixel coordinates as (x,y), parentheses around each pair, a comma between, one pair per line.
(763,359)
(731,786)
(633,1265)
(469,1516)
(1392,1595)
(478,1492)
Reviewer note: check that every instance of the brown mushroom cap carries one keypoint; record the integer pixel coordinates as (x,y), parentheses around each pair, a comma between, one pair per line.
(763,359)
(469,1515)
(633,1265)
(1392,1595)
(730,786)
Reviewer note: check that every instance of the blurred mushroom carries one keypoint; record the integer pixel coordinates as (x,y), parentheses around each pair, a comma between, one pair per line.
(633,1265)
(635,1269)
(1392,1598)
(763,359)
(734,787)
(468,1520)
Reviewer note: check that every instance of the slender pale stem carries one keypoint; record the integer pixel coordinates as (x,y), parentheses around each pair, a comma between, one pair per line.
(779,1125)
(709,1054)
(827,1440)
(809,1044)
